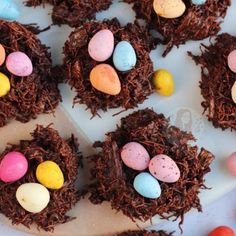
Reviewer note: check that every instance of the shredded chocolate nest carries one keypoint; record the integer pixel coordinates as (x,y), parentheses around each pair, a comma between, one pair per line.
(198,21)
(73,12)
(145,233)
(115,180)
(32,95)
(136,84)
(217,81)
(45,145)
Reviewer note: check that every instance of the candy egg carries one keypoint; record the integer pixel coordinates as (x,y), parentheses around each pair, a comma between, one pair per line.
(233,92)
(18,63)
(232,61)
(231,163)
(13,167)
(101,45)
(8,10)
(147,186)
(104,78)
(135,156)
(198,2)
(49,174)
(4,85)
(163,82)
(124,57)
(222,231)
(164,169)
(33,197)
(169,8)
(2,54)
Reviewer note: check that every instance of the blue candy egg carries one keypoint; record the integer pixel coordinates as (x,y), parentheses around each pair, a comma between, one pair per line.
(124,56)
(147,186)
(199,2)
(8,10)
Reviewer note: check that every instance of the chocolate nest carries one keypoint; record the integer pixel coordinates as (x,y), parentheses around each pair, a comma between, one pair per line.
(32,95)
(115,180)
(45,145)
(217,81)
(197,23)
(136,84)
(145,233)
(73,12)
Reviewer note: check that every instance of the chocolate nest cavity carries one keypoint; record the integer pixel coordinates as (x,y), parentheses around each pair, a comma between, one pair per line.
(114,181)
(32,95)
(45,145)
(145,233)
(135,84)
(73,12)
(198,21)
(217,80)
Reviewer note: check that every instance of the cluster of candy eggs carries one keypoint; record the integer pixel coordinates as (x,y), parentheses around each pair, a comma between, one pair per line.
(171,9)
(232,66)
(101,47)
(17,63)
(33,197)
(161,167)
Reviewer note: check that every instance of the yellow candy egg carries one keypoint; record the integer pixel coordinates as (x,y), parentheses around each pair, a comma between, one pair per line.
(4,85)
(49,174)
(169,8)
(163,82)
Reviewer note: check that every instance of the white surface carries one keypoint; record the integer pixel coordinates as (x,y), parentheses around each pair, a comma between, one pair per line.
(187,93)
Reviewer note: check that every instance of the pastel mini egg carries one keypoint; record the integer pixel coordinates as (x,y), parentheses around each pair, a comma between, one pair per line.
(198,2)
(222,231)
(232,61)
(163,82)
(135,156)
(2,54)
(231,164)
(13,167)
(5,85)
(169,8)
(124,56)
(19,64)
(49,174)
(9,10)
(101,45)
(164,169)
(104,78)
(33,197)
(147,186)
(233,92)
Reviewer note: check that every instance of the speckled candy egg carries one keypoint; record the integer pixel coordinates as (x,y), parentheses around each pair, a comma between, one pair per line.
(222,231)
(5,85)
(101,45)
(2,54)
(19,64)
(8,10)
(147,186)
(169,8)
(231,163)
(233,92)
(13,167)
(124,57)
(164,169)
(198,2)
(232,61)
(135,156)
(33,197)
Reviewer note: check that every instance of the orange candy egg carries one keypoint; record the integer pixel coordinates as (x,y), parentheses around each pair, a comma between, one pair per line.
(2,54)
(222,231)
(104,78)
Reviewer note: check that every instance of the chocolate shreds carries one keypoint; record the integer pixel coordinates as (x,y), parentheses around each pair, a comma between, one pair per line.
(136,84)
(198,21)
(115,180)
(217,81)
(45,145)
(145,233)
(32,95)
(73,12)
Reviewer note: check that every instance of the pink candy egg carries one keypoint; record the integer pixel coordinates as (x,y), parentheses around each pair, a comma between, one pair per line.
(18,63)
(101,45)
(135,156)
(232,61)
(164,169)
(13,167)
(231,163)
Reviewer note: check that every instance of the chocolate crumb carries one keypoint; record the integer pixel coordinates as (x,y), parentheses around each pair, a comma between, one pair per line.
(145,233)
